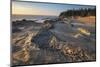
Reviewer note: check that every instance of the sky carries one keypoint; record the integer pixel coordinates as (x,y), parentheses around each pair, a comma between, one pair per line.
(33,8)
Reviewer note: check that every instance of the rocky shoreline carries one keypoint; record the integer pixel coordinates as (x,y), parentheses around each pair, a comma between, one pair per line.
(42,43)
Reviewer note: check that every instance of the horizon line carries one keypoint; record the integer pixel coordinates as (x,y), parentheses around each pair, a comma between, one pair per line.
(34,14)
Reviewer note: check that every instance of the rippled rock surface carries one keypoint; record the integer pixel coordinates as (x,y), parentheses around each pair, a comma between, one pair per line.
(56,42)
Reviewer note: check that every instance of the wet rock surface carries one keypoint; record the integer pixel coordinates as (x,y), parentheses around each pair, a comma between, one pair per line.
(43,35)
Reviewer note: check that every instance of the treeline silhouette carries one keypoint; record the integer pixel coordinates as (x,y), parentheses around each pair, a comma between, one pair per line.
(79,12)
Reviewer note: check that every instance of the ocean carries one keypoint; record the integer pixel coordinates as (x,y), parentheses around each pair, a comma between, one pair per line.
(31,17)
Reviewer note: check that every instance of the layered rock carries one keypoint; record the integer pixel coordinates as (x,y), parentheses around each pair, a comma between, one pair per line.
(47,47)
(22,47)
